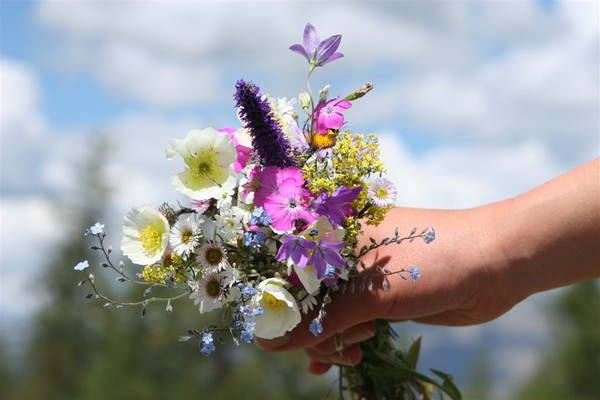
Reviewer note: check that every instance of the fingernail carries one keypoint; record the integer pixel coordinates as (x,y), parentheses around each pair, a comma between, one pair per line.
(358,335)
(271,344)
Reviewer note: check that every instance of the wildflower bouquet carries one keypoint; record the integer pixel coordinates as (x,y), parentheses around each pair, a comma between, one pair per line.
(271,228)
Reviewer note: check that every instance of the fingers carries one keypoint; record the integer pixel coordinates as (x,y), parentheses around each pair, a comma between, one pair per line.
(344,312)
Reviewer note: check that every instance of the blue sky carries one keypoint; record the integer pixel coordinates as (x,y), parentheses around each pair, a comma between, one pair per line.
(474,102)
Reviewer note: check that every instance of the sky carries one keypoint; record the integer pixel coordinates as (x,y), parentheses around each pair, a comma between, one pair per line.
(473,101)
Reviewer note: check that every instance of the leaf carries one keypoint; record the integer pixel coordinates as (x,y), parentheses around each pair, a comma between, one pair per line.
(144,311)
(385,285)
(448,384)
(121,279)
(107,305)
(89,295)
(412,355)
(184,338)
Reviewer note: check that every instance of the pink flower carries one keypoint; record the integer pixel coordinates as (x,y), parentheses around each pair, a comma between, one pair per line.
(267,181)
(329,115)
(243,151)
(288,204)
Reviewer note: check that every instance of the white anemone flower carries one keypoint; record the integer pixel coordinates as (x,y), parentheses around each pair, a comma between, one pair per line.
(382,192)
(145,235)
(211,292)
(308,278)
(208,155)
(185,235)
(280,310)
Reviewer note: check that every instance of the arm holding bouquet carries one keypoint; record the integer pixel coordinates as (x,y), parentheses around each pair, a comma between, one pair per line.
(498,255)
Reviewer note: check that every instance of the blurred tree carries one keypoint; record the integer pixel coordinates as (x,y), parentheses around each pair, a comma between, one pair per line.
(479,381)
(571,370)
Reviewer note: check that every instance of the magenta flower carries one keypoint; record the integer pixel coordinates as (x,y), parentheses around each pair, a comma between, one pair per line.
(287,204)
(267,181)
(324,254)
(330,115)
(244,152)
(318,53)
(337,207)
(296,248)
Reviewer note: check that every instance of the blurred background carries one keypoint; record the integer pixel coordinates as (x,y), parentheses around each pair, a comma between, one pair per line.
(474,102)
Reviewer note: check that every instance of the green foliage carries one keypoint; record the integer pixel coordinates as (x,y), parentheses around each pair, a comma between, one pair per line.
(572,367)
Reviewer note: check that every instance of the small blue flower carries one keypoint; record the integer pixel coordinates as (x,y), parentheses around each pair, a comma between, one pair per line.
(249,325)
(414,273)
(81,266)
(329,272)
(207,348)
(97,229)
(254,239)
(258,311)
(247,289)
(316,327)
(429,237)
(207,338)
(260,217)
(246,336)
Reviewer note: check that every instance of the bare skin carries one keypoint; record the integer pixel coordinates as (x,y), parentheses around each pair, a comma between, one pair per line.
(484,261)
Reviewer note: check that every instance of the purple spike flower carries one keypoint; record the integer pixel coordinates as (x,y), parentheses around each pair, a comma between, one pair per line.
(267,138)
(318,53)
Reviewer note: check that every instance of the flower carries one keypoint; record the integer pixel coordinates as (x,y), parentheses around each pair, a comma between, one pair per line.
(212,256)
(295,248)
(329,115)
(429,237)
(326,253)
(288,205)
(97,229)
(316,327)
(318,53)
(229,222)
(243,151)
(209,155)
(337,206)
(267,138)
(81,266)
(266,181)
(185,236)
(382,192)
(209,291)
(414,273)
(280,311)
(207,343)
(145,235)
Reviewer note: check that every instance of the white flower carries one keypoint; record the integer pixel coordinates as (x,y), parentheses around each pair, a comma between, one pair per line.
(145,235)
(280,311)
(212,256)
(209,155)
(382,192)
(308,278)
(210,291)
(185,235)
(229,221)
(307,302)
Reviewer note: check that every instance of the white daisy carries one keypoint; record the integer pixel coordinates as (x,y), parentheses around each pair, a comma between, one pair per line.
(212,255)
(213,290)
(382,192)
(185,235)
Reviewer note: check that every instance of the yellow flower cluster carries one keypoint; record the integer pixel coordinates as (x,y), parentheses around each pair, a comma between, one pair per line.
(356,157)
(171,267)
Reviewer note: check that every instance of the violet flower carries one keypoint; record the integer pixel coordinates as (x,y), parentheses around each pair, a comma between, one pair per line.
(296,248)
(318,53)
(324,254)
(337,206)
(256,115)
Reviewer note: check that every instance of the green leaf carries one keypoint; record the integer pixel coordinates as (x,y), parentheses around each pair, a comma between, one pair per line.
(448,384)
(412,356)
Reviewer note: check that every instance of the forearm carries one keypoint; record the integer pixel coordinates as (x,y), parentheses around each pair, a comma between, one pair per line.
(548,237)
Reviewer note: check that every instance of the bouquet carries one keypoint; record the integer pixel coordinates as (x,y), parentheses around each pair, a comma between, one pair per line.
(271,226)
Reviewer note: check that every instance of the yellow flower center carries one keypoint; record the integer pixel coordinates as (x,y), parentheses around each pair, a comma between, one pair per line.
(323,140)
(151,239)
(186,237)
(272,301)
(213,288)
(381,193)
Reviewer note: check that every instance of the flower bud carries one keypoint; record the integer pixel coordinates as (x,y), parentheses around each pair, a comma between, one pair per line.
(304,100)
